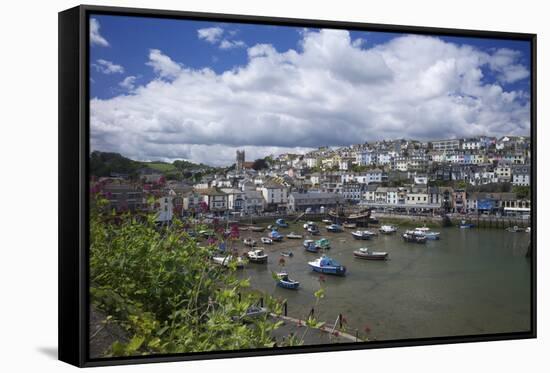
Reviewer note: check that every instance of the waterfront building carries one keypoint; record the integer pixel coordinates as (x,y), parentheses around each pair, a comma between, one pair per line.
(216,200)
(315,201)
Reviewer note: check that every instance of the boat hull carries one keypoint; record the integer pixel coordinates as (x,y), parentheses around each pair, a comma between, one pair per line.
(288,285)
(329,270)
(370,256)
(361,237)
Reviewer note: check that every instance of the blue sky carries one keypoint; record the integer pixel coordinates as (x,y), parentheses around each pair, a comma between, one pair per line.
(135,60)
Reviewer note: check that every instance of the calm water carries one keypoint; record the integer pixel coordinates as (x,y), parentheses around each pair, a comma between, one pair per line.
(469,282)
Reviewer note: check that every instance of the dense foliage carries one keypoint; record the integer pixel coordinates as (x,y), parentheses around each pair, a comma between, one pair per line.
(160,286)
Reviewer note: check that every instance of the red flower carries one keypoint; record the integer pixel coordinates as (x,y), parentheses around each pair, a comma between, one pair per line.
(336,333)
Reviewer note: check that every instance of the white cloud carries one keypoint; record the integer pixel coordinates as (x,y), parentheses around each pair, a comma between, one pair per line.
(230,44)
(107,67)
(330,92)
(95,36)
(210,34)
(505,62)
(163,65)
(129,83)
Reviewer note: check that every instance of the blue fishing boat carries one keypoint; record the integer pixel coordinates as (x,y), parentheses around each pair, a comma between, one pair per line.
(286,282)
(335,228)
(275,236)
(464,225)
(327,265)
(281,223)
(311,246)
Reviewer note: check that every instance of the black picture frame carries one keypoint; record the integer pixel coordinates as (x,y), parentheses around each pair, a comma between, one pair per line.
(74,185)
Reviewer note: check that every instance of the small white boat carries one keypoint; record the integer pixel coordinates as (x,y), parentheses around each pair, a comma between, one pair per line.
(249,242)
(293,235)
(428,233)
(324,264)
(528,230)
(266,240)
(228,259)
(414,236)
(257,256)
(365,253)
(387,229)
(363,235)
(515,229)
(308,224)
(350,225)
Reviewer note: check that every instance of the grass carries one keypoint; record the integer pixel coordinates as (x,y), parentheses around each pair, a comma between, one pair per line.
(159,166)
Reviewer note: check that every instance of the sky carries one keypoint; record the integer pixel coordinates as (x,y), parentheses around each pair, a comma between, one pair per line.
(164,89)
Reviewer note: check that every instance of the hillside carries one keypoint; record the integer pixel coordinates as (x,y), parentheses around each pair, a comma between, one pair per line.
(106,164)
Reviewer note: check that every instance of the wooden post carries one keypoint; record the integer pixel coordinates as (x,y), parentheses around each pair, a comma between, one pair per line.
(261,301)
(286,308)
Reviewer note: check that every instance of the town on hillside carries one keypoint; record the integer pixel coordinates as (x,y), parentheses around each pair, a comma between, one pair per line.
(481,175)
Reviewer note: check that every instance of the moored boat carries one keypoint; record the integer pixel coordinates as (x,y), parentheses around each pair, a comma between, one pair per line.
(414,236)
(363,235)
(515,229)
(257,229)
(249,242)
(323,244)
(275,236)
(335,228)
(327,265)
(365,253)
(266,240)
(464,225)
(428,233)
(287,253)
(387,229)
(226,260)
(281,223)
(257,256)
(327,221)
(293,236)
(310,246)
(284,281)
(313,230)
(350,225)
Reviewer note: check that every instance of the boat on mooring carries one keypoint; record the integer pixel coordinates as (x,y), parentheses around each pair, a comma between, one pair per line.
(249,242)
(287,253)
(257,256)
(275,236)
(428,233)
(464,225)
(310,246)
(323,244)
(256,229)
(350,225)
(281,223)
(327,265)
(363,235)
(266,241)
(387,229)
(327,221)
(335,228)
(293,236)
(313,230)
(515,229)
(366,253)
(414,236)
(284,281)
(226,260)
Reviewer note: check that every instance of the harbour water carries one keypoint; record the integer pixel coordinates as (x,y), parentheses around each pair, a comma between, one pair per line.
(471,281)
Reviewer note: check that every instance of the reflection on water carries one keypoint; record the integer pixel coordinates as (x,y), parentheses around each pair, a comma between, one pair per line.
(469,282)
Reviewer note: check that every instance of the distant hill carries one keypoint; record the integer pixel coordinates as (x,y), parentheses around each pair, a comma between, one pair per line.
(107,164)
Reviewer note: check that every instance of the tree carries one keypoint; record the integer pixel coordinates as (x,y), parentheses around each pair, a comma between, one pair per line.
(160,286)
(522,192)
(260,164)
